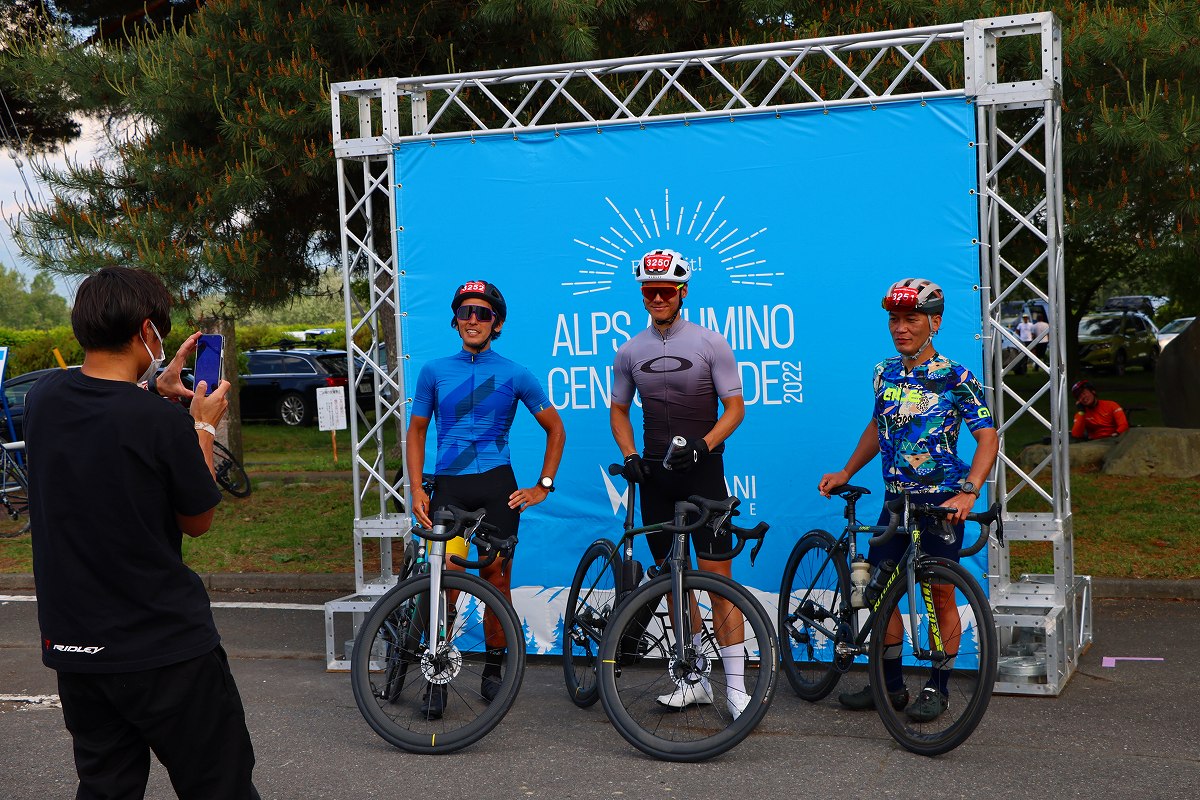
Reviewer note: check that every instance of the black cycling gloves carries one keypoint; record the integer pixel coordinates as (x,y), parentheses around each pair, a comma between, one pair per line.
(684,458)
(633,469)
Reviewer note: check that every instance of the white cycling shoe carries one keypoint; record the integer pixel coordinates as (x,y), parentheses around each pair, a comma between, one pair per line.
(737,701)
(699,693)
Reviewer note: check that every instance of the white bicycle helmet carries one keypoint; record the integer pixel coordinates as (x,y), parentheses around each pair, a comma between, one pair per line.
(662,265)
(915,294)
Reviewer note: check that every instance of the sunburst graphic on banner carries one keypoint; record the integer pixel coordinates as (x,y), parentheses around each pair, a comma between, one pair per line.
(635,233)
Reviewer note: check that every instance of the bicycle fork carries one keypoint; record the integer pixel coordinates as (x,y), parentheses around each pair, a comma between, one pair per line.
(937,649)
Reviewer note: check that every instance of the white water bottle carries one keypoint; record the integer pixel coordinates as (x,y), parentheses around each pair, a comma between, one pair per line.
(860,576)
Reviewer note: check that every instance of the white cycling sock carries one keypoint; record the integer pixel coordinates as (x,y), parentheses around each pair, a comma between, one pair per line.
(734,662)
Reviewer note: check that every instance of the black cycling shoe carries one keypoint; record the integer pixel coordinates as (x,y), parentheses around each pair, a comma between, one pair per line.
(434,701)
(864,699)
(489,687)
(929,706)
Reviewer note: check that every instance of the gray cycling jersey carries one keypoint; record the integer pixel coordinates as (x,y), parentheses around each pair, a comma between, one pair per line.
(679,376)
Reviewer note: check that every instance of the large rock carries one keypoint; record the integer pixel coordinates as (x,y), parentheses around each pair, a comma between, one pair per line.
(1082,455)
(1177,379)
(1156,452)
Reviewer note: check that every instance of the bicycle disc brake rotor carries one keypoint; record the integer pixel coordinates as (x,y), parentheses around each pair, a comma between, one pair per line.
(442,667)
(690,669)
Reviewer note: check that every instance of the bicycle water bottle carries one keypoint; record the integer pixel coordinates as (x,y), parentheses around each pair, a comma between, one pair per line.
(879,580)
(860,576)
(676,443)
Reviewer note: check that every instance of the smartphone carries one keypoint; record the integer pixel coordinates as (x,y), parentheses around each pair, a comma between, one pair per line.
(208,360)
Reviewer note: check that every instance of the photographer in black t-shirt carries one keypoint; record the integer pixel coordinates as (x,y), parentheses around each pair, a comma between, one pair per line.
(117,476)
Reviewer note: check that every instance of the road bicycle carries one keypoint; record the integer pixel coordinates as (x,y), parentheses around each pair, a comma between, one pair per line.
(231,475)
(14,490)
(422,661)
(638,649)
(821,634)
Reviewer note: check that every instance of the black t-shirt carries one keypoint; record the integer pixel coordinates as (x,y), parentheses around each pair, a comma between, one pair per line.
(110,465)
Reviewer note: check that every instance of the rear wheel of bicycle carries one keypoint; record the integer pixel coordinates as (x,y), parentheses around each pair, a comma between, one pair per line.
(230,474)
(396,672)
(812,598)
(968,633)
(589,607)
(645,696)
(14,499)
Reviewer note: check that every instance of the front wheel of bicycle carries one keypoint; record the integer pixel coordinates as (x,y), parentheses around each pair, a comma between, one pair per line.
(231,475)
(812,598)
(690,708)
(424,693)
(954,660)
(589,608)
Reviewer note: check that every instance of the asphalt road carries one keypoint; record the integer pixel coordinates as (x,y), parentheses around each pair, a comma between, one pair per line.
(1131,730)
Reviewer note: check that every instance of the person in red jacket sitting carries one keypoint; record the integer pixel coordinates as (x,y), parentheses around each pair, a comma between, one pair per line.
(1096,418)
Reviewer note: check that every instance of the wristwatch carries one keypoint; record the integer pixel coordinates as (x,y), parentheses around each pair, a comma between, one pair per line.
(547,483)
(968,488)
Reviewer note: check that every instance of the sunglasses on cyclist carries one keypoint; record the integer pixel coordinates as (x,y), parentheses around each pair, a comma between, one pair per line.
(482,313)
(665,292)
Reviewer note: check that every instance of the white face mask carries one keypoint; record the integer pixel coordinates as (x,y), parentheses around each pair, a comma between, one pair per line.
(155,362)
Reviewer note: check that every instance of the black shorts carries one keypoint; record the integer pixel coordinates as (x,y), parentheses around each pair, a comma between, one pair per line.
(487,490)
(932,542)
(661,488)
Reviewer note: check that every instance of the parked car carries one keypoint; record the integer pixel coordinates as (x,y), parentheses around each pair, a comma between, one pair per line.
(1114,340)
(1172,329)
(1146,304)
(280,383)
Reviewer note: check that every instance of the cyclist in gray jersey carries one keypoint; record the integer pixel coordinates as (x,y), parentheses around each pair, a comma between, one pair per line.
(680,370)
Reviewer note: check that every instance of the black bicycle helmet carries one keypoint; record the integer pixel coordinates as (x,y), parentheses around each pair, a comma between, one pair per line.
(480,290)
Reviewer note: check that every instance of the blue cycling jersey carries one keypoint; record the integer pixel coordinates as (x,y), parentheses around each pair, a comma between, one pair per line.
(473,400)
(918,413)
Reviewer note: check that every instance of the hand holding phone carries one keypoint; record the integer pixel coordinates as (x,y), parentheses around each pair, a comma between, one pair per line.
(209,350)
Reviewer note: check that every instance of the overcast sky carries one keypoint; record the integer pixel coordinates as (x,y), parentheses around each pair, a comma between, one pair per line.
(13,197)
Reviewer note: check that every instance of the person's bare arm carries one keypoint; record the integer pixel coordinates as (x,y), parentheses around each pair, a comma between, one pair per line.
(866,449)
(414,463)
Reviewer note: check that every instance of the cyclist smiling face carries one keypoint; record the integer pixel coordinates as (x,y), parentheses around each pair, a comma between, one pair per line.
(476,333)
(663,300)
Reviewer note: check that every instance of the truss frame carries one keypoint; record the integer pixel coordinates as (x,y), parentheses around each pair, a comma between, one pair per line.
(1019,127)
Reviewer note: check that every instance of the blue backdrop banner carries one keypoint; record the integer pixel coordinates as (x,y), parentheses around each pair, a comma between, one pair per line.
(796,224)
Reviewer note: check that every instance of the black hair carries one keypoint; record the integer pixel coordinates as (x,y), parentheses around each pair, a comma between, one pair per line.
(112,303)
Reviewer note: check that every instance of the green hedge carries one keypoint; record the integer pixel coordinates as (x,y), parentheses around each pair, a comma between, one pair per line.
(30,350)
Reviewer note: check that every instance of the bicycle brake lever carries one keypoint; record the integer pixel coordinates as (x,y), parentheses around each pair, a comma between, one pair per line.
(754,550)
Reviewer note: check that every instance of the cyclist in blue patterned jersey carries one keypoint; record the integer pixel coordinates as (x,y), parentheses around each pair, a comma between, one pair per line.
(921,400)
(473,395)
(680,370)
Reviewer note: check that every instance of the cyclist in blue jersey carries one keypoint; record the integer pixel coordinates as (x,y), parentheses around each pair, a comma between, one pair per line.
(921,399)
(681,370)
(472,396)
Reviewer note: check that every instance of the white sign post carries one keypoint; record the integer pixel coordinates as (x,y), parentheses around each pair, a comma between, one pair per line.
(331,413)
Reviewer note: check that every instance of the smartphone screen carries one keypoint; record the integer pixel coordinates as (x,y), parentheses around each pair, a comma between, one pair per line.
(208,359)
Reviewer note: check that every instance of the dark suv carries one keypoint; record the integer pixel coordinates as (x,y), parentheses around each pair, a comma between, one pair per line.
(281,382)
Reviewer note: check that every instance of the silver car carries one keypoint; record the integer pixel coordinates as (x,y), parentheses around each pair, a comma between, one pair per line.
(1172,329)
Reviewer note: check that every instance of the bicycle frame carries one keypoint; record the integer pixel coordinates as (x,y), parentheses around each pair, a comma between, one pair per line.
(846,547)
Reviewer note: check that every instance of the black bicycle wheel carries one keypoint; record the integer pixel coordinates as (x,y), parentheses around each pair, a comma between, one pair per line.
(968,634)
(589,607)
(396,675)
(684,710)
(14,499)
(812,600)
(231,475)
